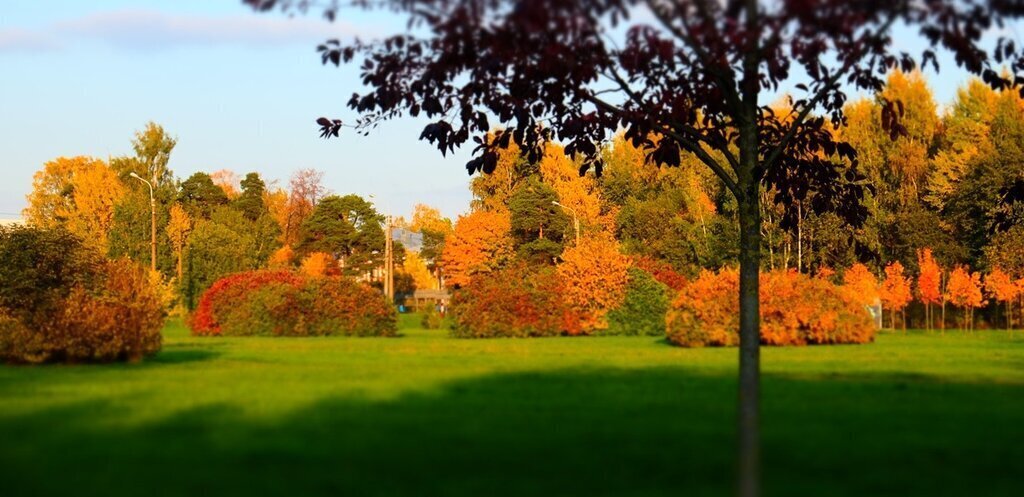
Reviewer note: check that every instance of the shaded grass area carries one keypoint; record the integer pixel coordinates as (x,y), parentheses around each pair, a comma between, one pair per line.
(424,414)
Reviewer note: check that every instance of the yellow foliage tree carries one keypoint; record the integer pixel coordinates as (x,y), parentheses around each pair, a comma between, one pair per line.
(595,274)
(179,227)
(417,268)
(78,193)
(578,193)
(281,258)
(479,244)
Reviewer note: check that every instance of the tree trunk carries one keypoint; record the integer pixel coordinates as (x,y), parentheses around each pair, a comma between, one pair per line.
(750,342)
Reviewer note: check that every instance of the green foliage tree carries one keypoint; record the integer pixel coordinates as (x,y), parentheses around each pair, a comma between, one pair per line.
(251,201)
(199,195)
(539,227)
(349,228)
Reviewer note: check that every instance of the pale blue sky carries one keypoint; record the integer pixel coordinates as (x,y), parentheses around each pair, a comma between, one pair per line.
(239,90)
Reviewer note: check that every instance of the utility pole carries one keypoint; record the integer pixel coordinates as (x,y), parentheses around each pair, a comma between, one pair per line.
(152,221)
(575,220)
(389,262)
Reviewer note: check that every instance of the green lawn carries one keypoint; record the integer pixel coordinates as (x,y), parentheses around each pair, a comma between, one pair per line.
(426,415)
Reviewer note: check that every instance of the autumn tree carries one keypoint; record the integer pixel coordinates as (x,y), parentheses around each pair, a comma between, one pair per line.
(78,193)
(319,265)
(862,284)
(895,291)
(435,229)
(306,188)
(929,282)
(153,147)
(178,230)
(694,72)
(416,267)
(228,181)
(1001,288)
(595,274)
(964,290)
(479,244)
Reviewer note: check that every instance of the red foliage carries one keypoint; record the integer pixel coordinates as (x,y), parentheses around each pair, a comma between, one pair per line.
(795,310)
(662,271)
(513,302)
(283,303)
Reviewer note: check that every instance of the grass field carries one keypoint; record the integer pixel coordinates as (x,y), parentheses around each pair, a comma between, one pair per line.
(425,415)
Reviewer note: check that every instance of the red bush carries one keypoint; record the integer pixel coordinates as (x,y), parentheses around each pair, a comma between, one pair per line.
(514,302)
(283,303)
(795,310)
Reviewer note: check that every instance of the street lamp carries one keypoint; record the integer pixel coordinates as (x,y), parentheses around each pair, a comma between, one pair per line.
(575,220)
(389,257)
(152,216)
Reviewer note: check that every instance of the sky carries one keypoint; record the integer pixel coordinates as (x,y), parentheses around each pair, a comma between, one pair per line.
(239,90)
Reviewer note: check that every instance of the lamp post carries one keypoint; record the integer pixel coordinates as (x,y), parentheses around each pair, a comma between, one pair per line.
(152,218)
(389,256)
(575,220)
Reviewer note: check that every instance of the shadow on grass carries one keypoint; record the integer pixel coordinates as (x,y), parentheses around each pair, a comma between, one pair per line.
(181,354)
(663,431)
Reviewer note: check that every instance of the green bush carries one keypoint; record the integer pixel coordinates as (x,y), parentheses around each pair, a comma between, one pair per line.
(431,319)
(117,317)
(643,311)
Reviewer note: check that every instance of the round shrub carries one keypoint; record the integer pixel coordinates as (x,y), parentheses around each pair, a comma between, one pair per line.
(284,303)
(513,302)
(644,308)
(118,317)
(795,310)
(431,320)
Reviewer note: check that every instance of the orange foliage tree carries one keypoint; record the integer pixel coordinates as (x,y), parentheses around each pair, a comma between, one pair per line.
(796,309)
(319,265)
(862,284)
(964,291)
(1002,288)
(281,258)
(479,244)
(228,181)
(896,291)
(929,283)
(595,274)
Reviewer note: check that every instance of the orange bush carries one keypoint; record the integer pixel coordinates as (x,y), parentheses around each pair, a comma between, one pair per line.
(795,310)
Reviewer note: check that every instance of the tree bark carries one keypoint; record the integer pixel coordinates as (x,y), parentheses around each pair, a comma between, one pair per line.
(750,342)
(750,309)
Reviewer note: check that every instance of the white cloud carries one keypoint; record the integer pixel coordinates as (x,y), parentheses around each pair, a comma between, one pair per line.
(13,39)
(148,29)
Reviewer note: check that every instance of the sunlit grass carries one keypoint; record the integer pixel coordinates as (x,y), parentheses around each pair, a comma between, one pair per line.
(424,414)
